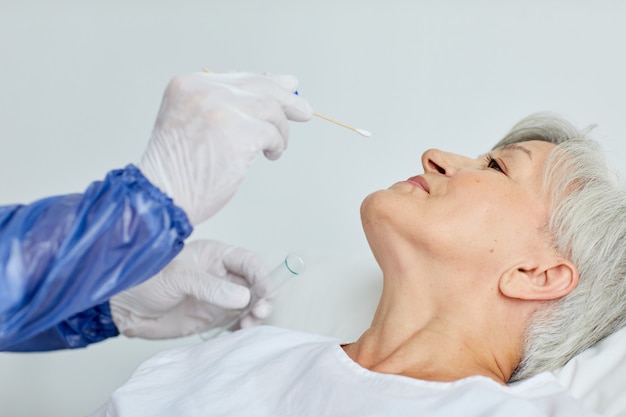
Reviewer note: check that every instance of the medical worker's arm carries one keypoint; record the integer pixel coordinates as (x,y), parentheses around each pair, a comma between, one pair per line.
(209,129)
(63,255)
(186,297)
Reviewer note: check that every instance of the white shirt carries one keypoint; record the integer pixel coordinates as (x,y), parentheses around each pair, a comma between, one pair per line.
(268,371)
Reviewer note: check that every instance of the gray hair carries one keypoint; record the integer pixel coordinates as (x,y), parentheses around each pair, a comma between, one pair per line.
(587,225)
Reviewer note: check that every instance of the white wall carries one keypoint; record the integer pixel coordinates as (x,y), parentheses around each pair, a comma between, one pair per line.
(80,84)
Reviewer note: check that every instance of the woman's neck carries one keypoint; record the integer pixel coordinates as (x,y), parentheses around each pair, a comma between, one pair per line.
(417,338)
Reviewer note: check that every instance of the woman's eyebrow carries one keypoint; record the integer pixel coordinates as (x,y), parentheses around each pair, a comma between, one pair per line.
(516,147)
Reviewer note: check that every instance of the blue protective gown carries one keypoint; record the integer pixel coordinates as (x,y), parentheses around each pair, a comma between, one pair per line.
(63,257)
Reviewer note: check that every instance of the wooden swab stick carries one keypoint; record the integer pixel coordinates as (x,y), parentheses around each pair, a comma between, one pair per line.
(361,132)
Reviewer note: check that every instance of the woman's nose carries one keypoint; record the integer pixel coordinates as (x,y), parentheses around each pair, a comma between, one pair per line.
(445,163)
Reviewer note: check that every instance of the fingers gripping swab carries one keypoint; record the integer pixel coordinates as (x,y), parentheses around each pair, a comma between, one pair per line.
(361,132)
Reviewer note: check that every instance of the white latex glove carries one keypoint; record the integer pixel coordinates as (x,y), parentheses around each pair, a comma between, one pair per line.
(192,291)
(209,130)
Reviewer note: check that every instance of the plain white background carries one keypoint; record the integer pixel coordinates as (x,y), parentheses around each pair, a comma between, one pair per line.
(81,82)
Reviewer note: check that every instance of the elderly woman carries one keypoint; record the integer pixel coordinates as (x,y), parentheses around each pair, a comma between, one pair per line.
(495,269)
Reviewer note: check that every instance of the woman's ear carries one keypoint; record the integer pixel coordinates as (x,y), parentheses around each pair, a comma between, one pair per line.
(540,283)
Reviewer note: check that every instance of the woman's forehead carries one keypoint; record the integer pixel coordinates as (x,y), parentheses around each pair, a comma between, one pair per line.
(526,144)
(528,137)
(534,150)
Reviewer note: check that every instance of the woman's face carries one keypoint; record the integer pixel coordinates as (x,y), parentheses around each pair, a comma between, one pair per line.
(486,213)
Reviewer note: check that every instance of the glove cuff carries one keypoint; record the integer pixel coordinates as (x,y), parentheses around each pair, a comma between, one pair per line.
(180,221)
(122,314)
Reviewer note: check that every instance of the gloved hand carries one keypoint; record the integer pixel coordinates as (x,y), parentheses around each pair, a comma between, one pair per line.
(209,130)
(192,291)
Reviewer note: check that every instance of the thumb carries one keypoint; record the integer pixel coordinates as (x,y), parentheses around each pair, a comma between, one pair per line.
(295,107)
(218,291)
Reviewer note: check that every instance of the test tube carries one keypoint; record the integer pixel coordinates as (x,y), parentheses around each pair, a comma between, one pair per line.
(291,266)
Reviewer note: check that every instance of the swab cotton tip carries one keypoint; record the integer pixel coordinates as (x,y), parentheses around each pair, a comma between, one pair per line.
(363,132)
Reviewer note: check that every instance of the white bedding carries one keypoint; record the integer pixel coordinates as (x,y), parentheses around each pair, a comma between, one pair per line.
(337,296)
(598,376)
(269,371)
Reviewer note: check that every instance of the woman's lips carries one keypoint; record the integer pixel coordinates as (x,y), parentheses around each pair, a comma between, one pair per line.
(419,182)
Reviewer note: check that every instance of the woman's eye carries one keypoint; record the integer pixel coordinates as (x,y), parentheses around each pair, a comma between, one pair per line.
(493,164)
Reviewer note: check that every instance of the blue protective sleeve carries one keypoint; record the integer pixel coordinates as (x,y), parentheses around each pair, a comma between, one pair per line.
(80,330)
(63,255)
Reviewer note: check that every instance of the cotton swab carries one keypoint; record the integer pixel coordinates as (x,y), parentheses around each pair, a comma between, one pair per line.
(361,132)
